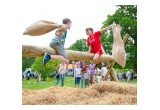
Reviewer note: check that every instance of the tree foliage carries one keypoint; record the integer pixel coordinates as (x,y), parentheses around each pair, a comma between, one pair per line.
(79,45)
(47,70)
(27,62)
(126,17)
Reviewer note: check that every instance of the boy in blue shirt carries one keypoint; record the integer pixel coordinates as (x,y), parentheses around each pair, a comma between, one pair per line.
(58,43)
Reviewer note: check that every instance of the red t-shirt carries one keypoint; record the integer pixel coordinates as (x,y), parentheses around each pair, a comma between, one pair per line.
(95,43)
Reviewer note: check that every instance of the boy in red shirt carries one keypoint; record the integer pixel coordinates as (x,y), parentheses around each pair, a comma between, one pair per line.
(94,42)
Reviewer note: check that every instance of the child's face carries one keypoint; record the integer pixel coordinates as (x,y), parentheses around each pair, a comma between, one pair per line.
(78,65)
(89,33)
(87,68)
(102,63)
(69,25)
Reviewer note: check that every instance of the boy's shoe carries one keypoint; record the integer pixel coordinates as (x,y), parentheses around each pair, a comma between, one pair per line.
(46,58)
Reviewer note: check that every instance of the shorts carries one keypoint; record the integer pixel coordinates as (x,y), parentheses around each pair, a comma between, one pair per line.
(60,49)
(77,80)
(99,52)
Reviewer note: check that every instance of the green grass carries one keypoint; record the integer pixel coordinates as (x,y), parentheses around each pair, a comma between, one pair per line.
(134,81)
(69,82)
(33,85)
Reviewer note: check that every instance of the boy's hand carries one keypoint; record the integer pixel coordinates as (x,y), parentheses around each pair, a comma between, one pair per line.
(112,25)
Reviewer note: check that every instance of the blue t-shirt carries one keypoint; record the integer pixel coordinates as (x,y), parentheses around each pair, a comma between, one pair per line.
(60,41)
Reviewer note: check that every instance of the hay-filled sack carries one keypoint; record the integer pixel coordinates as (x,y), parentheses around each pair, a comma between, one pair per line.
(42,27)
(118,51)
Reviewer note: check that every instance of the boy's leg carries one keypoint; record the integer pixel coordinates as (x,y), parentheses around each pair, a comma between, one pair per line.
(58,57)
(95,58)
(62,56)
(46,58)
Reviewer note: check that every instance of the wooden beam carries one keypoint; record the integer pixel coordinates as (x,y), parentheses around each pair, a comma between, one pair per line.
(109,71)
(36,51)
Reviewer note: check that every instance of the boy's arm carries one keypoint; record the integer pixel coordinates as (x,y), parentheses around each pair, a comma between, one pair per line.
(104,29)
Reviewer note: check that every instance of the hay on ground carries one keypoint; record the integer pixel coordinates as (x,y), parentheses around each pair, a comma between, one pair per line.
(104,93)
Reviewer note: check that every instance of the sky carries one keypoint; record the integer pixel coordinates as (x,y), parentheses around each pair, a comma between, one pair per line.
(81,15)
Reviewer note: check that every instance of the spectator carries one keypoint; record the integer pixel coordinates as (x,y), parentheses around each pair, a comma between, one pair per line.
(73,66)
(86,77)
(77,75)
(124,76)
(135,75)
(39,78)
(28,75)
(128,76)
(120,76)
(83,68)
(22,76)
(62,68)
(103,70)
(131,76)
(92,72)
(96,73)
(99,78)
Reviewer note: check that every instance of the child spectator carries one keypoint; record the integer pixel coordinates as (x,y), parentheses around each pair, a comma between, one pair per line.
(92,72)
(77,75)
(86,77)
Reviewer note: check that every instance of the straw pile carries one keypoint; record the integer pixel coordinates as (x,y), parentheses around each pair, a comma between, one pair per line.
(104,93)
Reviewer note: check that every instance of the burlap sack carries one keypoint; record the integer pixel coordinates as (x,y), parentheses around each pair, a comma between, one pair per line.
(42,27)
(118,51)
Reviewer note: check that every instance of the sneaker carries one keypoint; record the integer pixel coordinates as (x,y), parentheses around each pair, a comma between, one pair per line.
(46,58)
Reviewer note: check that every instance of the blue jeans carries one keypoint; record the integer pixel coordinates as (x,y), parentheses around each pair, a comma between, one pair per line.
(82,81)
(62,79)
(77,80)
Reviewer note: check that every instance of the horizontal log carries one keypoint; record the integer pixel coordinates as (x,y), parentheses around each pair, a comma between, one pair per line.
(37,51)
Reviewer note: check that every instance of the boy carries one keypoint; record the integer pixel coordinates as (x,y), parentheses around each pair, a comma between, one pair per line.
(94,43)
(58,43)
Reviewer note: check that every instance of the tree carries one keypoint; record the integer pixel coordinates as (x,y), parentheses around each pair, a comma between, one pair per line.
(44,70)
(27,62)
(126,17)
(79,45)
